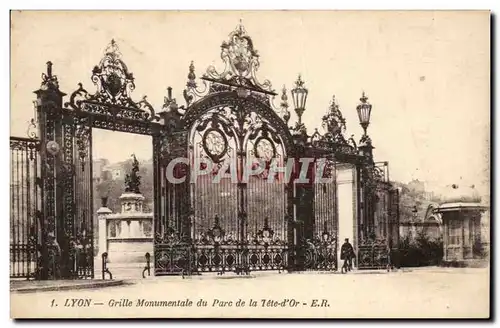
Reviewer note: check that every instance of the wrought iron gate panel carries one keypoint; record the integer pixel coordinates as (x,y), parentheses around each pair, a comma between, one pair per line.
(25,216)
(172,226)
(216,196)
(267,200)
(75,223)
(374,251)
(49,264)
(239,221)
(66,180)
(267,257)
(321,249)
(213,147)
(373,256)
(81,237)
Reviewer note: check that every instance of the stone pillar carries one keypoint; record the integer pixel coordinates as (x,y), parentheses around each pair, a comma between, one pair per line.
(346,205)
(102,215)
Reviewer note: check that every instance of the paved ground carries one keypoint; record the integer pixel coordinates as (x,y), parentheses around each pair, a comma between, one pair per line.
(30,286)
(430,293)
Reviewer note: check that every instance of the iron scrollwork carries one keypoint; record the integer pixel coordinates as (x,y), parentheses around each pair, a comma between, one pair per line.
(241,61)
(239,114)
(172,252)
(192,92)
(333,139)
(321,251)
(112,98)
(373,253)
(215,144)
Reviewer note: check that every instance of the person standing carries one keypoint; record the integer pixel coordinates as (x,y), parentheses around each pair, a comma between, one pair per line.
(346,254)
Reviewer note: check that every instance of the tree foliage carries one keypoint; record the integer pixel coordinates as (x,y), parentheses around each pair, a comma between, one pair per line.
(411,200)
(420,251)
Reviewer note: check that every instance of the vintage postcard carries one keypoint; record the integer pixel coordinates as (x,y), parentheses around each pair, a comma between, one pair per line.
(250,164)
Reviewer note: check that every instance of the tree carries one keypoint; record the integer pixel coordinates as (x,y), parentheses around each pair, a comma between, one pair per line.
(409,200)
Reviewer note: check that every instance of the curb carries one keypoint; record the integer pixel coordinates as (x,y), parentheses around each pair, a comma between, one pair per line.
(110,283)
(201,277)
(357,272)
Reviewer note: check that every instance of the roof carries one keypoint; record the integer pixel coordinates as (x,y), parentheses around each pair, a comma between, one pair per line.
(459,206)
(461,194)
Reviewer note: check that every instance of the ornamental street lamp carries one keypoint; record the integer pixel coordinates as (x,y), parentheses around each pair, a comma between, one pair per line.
(364,111)
(299,97)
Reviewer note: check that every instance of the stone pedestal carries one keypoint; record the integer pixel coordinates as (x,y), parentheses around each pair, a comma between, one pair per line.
(126,236)
(132,203)
(102,214)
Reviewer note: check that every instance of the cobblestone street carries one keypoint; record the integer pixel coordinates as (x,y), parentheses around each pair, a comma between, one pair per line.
(429,292)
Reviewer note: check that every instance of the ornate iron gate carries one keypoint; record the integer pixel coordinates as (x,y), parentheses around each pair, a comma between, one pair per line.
(25,200)
(321,249)
(66,138)
(374,251)
(233,222)
(222,220)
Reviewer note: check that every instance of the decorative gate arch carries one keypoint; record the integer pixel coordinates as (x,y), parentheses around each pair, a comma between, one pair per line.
(237,223)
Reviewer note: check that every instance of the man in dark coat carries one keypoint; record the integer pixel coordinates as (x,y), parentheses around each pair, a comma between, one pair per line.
(346,254)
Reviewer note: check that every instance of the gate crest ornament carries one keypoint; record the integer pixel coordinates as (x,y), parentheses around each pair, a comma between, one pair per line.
(114,81)
(333,139)
(114,84)
(241,61)
(334,121)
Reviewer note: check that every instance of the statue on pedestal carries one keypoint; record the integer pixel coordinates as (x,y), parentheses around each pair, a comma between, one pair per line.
(133,180)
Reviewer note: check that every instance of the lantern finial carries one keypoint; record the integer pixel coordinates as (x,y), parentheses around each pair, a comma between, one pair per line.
(364,111)
(299,97)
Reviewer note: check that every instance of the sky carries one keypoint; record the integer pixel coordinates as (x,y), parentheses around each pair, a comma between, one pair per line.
(425,73)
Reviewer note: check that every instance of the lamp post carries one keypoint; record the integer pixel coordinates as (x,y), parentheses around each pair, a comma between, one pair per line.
(364,112)
(299,97)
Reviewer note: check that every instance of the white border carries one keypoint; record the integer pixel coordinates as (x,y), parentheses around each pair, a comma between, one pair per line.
(184,5)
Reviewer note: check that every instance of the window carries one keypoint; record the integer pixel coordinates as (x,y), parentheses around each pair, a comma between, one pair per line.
(455,232)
